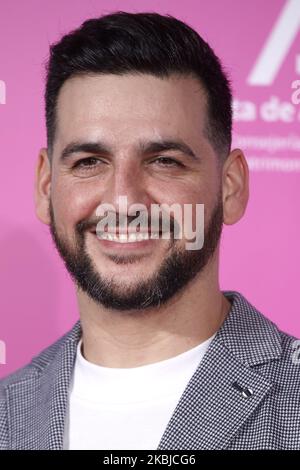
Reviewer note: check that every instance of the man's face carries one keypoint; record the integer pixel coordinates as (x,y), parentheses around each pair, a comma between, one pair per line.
(129,117)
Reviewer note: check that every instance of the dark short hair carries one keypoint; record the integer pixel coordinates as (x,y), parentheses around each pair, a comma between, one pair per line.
(147,43)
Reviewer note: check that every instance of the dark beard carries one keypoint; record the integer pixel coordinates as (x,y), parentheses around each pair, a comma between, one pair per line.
(175,272)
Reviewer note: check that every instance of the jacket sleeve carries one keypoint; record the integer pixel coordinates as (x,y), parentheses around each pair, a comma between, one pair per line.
(3,425)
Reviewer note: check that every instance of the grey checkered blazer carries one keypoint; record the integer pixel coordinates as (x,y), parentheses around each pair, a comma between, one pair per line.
(245,393)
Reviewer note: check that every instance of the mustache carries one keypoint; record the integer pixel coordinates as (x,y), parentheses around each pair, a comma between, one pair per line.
(91,223)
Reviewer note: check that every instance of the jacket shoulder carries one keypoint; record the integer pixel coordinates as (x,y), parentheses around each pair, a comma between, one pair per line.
(38,362)
(287,368)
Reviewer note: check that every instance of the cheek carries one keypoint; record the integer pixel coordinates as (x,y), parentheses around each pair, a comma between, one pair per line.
(73,203)
(176,191)
(183,198)
(191,217)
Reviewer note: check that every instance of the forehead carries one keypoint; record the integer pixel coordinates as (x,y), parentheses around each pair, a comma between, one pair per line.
(130,106)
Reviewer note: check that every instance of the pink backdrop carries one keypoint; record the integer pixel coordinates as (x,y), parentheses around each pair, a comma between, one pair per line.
(259,43)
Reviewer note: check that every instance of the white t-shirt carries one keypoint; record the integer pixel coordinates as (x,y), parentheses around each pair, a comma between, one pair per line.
(126,408)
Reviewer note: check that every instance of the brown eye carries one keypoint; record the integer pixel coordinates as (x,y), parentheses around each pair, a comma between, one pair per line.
(167,162)
(88,167)
(86,162)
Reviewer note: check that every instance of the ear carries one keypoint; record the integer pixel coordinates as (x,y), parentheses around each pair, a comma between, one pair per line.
(42,190)
(235,182)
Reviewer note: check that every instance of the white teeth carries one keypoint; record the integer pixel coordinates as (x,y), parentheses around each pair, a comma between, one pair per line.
(132,237)
(124,238)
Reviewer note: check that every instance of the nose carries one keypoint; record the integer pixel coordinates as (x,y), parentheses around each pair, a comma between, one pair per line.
(127,180)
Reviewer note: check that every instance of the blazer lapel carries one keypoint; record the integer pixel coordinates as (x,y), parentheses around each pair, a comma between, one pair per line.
(225,390)
(37,406)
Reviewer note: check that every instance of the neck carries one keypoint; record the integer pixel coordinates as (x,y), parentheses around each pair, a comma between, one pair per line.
(131,339)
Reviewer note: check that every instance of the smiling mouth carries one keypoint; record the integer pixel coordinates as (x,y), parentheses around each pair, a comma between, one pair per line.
(132,237)
(127,238)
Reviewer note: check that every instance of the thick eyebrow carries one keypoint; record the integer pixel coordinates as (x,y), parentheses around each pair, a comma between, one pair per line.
(84,147)
(147,147)
(165,145)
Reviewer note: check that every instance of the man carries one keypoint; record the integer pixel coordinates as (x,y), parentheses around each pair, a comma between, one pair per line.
(138,107)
